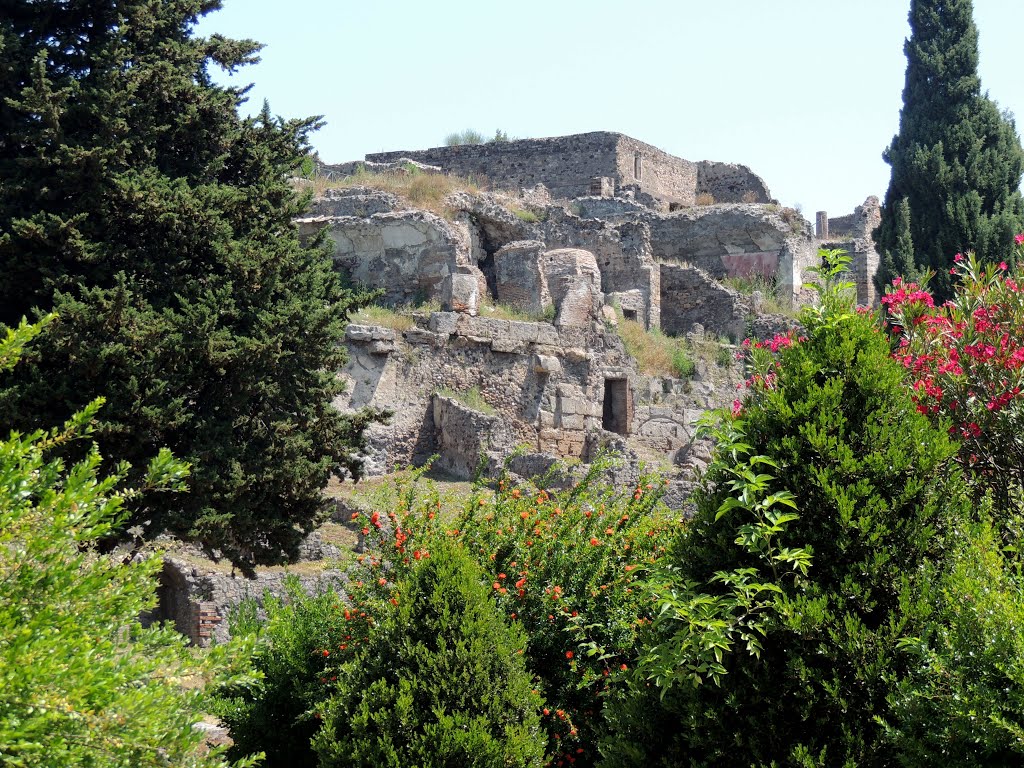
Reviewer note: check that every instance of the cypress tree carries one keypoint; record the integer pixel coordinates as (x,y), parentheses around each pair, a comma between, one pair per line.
(956,162)
(157,224)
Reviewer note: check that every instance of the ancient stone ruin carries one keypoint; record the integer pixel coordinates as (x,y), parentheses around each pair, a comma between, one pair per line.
(577,235)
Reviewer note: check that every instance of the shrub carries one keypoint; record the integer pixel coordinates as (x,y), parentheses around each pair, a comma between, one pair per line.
(965,362)
(468,136)
(683,366)
(793,618)
(299,644)
(442,682)
(704,198)
(81,683)
(961,703)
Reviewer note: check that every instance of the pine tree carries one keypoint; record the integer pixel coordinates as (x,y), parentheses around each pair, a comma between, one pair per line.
(957,161)
(156,223)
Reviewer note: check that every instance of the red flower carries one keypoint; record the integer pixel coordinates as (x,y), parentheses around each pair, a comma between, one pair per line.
(568,654)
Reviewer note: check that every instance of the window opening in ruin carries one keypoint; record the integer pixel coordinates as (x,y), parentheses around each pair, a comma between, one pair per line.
(615,417)
(629,314)
(638,166)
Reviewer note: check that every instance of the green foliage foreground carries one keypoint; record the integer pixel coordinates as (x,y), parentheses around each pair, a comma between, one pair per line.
(839,599)
(81,684)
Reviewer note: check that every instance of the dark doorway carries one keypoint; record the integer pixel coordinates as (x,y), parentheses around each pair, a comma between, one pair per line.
(629,314)
(616,406)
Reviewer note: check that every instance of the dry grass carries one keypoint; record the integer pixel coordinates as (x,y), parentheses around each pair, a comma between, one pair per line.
(383,316)
(471,398)
(704,198)
(655,353)
(494,311)
(418,189)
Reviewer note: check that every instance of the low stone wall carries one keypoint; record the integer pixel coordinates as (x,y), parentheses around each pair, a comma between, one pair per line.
(469,440)
(692,297)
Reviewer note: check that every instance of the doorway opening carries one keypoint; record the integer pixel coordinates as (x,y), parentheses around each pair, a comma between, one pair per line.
(615,417)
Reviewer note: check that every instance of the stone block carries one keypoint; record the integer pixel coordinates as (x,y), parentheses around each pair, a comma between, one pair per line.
(519,279)
(381,347)
(508,346)
(576,309)
(359,333)
(547,364)
(444,323)
(460,293)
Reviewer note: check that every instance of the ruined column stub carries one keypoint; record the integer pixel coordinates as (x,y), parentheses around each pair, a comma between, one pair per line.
(821,225)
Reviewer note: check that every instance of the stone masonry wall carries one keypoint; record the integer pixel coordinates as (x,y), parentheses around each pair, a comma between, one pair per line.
(730,183)
(691,297)
(661,175)
(564,164)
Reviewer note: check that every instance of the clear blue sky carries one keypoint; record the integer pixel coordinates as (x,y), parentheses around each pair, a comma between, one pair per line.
(805,92)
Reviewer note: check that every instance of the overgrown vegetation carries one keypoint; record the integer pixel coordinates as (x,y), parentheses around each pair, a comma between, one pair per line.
(655,353)
(771,300)
(183,292)
(397,318)
(415,187)
(80,682)
(471,398)
(561,570)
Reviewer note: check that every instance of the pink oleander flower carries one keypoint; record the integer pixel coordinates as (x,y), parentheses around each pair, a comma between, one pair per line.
(1019,239)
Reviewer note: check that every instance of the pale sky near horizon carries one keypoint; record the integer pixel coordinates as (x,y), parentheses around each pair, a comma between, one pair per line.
(805,92)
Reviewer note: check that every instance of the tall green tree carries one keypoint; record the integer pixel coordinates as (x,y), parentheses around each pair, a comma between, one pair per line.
(158,224)
(956,162)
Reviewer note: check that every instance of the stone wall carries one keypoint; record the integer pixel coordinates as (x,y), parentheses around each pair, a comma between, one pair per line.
(465,436)
(730,183)
(854,233)
(692,297)
(548,386)
(564,164)
(408,254)
(623,253)
(654,172)
(737,240)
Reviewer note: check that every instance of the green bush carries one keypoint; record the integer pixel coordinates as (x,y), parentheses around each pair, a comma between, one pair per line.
(299,644)
(81,682)
(793,620)
(962,702)
(468,136)
(442,683)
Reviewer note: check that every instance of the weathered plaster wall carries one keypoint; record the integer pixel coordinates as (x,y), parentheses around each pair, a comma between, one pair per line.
(736,240)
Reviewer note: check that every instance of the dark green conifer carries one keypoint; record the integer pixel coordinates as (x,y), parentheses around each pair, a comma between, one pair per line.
(137,205)
(956,162)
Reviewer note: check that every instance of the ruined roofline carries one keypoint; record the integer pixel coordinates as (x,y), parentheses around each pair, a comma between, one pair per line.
(611,138)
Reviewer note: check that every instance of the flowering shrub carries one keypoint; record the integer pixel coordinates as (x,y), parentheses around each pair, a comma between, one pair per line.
(965,360)
(561,565)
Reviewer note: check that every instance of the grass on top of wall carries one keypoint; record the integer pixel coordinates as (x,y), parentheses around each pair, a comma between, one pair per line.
(418,189)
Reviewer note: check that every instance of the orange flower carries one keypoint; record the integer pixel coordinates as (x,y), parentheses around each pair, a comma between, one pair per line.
(568,654)
(594,542)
